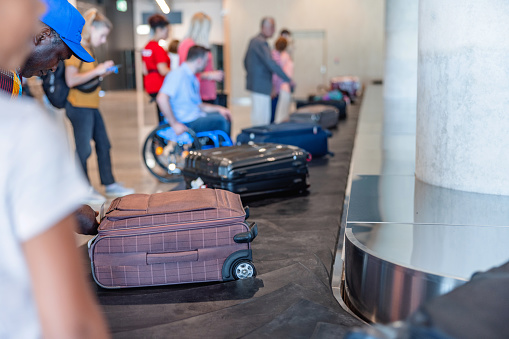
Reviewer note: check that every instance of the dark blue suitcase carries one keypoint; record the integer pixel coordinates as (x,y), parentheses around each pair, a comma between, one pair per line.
(309,137)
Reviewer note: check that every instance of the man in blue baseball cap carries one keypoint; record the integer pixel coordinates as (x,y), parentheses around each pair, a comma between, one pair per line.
(58,38)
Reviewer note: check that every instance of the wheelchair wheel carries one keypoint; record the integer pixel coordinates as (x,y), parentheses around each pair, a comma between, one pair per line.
(163,157)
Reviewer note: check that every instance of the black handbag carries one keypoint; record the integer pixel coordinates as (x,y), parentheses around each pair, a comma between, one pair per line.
(91,85)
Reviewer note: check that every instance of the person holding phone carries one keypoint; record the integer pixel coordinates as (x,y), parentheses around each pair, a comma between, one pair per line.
(82,108)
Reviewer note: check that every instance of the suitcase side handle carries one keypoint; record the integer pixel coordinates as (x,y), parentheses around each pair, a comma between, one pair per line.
(161,258)
(143,258)
(246,209)
(247,237)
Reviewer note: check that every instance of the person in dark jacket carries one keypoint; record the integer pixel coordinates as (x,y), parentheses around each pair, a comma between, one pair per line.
(260,66)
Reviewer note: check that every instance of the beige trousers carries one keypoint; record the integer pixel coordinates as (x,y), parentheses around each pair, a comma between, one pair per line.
(260,109)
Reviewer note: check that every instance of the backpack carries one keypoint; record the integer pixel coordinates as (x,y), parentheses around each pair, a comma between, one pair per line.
(55,87)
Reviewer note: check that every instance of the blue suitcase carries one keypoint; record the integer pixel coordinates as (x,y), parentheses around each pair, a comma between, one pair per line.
(309,137)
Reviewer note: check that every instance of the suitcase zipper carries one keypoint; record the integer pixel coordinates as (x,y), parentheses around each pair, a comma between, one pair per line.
(91,241)
(156,229)
(214,221)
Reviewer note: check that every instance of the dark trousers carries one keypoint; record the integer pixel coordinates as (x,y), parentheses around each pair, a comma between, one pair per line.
(210,122)
(88,125)
(160,116)
(273,107)
(212,102)
(220,100)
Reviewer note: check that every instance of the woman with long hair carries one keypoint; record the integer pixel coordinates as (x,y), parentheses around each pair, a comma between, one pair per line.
(156,63)
(82,108)
(198,34)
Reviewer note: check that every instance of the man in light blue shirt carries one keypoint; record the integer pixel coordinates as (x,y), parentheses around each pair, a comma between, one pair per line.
(180,102)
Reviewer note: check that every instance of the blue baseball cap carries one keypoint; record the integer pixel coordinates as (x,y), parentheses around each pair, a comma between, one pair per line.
(68,23)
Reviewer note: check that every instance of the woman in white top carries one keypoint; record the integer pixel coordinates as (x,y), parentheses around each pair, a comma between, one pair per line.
(43,290)
(280,89)
(173,54)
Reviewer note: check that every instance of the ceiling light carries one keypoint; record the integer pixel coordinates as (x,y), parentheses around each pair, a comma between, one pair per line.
(164,7)
(143,29)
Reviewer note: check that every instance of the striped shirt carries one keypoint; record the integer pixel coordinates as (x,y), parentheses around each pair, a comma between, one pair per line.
(10,82)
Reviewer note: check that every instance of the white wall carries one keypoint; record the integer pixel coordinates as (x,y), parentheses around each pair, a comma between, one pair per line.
(189,7)
(354,34)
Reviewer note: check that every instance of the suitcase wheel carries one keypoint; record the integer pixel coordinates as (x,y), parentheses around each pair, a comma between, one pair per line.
(244,269)
(164,153)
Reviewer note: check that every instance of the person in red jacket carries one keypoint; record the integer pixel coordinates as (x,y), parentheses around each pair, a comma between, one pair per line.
(156,63)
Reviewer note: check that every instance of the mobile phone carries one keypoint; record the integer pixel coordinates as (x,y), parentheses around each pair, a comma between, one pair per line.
(114,68)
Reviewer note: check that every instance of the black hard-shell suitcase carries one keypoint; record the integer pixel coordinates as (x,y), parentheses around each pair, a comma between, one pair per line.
(325,116)
(310,137)
(250,169)
(339,104)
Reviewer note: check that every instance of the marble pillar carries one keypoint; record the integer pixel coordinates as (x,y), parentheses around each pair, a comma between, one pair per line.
(401,19)
(463,95)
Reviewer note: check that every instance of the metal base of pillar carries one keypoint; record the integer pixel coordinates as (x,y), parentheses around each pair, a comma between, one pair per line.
(381,291)
(407,242)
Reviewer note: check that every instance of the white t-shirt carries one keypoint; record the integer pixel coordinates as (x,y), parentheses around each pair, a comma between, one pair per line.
(174,60)
(39,186)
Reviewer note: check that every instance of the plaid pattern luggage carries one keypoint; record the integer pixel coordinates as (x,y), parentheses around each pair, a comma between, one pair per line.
(173,238)
(325,116)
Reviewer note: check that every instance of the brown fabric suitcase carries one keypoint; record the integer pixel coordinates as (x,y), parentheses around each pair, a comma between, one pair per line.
(173,238)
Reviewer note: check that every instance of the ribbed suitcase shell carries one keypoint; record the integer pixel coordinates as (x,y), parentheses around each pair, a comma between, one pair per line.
(250,169)
(168,238)
(325,116)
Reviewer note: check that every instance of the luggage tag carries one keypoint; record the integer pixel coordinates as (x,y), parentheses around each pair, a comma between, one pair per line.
(198,183)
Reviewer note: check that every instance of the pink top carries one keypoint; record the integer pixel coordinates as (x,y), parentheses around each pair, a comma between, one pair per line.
(208,89)
(284,60)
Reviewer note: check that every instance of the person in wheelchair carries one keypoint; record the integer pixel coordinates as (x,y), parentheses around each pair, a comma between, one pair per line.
(180,102)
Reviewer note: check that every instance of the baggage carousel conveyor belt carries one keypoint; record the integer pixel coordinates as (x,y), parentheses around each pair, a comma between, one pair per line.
(294,257)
